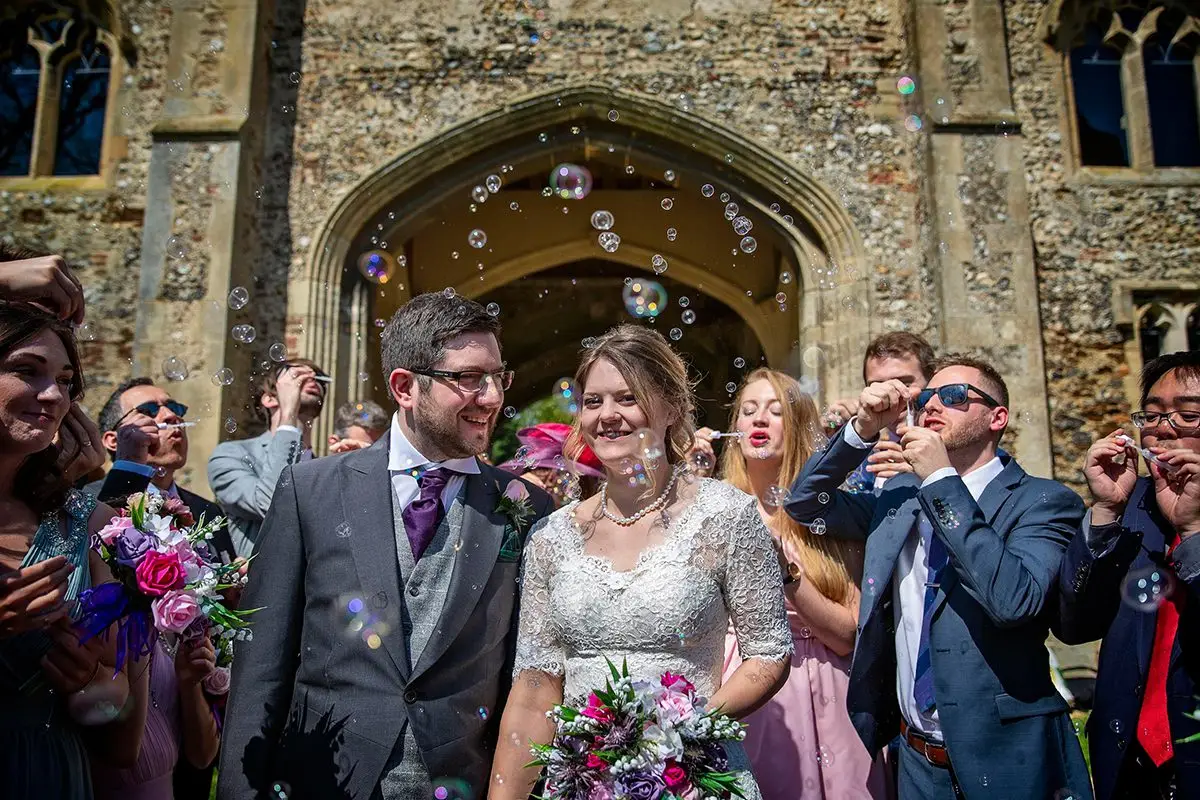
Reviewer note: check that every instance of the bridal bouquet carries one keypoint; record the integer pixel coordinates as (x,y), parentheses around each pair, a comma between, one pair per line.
(167,580)
(638,740)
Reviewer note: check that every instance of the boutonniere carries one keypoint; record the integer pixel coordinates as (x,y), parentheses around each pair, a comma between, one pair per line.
(515,505)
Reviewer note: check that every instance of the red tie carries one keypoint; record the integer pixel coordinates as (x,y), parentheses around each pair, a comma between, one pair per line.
(1154,729)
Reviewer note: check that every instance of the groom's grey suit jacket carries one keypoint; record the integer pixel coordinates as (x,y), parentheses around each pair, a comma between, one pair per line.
(322,705)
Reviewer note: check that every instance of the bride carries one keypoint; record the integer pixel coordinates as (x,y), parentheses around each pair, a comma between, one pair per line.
(651,569)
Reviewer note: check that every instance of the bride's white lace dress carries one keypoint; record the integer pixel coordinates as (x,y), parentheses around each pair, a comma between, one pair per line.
(716,564)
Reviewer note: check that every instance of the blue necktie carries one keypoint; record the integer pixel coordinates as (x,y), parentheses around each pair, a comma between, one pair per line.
(937,556)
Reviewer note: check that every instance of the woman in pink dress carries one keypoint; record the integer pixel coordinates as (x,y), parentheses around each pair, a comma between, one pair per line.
(801,743)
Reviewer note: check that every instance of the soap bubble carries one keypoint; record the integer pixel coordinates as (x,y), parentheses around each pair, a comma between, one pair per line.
(602,220)
(492,182)
(277,352)
(377,266)
(669,176)
(724,198)
(823,498)
(658,264)
(524,457)
(906,85)
(742,225)
(614,115)
(571,181)
(510,412)
(238,297)
(817,528)
(243,333)
(731,387)
(223,377)
(280,790)
(86,332)
(177,247)
(667,204)
(633,472)
(780,297)
(748,244)
(731,210)
(566,395)
(479,194)
(477,238)
(174,368)
(700,462)
(676,334)
(609,241)
(1145,589)
(739,362)
(707,190)
(688,317)
(684,302)
(644,298)
(672,234)
(785,277)
(648,443)
(912,123)
(629,169)
(775,496)
(493,309)
(230,425)
(366,619)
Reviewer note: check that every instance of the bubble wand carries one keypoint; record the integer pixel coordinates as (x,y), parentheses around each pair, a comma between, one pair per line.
(1149,456)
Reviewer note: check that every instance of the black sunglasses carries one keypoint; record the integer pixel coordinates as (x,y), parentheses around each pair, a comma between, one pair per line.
(954,394)
(150,409)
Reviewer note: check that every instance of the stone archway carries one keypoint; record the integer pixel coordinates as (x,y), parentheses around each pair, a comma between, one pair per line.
(419,206)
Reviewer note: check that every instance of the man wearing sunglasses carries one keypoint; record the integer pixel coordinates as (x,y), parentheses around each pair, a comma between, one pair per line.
(961,561)
(417,545)
(243,472)
(1133,579)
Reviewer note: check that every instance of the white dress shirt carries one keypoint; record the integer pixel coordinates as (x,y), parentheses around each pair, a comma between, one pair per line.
(908,592)
(404,460)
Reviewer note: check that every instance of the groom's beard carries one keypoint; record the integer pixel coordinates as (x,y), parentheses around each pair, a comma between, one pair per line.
(440,429)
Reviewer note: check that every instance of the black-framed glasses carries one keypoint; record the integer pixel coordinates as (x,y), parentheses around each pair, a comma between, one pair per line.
(1179,420)
(954,394)
(473,381)
(150,409)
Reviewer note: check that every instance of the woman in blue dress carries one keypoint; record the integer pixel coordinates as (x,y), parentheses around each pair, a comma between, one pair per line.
(61,702)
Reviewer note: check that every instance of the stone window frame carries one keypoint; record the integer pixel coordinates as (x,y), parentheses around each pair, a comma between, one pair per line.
(1131,299)
(41,175)
(1064,20)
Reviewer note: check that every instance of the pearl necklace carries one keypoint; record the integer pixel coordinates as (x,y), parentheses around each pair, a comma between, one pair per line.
(655,505)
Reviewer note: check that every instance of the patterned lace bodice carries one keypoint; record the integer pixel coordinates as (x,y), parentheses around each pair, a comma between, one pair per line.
(716,563)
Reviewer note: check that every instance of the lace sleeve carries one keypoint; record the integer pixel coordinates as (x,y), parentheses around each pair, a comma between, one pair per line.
(538,644)
(754,589)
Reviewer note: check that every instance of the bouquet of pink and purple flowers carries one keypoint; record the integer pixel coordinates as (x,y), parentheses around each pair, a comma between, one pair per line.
(639,740)
(168,579)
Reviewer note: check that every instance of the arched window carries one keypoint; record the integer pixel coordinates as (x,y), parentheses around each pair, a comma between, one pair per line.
(1170,61)
(56,80)
(1099,102)
(1155,324)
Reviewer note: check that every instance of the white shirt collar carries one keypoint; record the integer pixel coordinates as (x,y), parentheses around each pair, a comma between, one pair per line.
(403,456)
(978,479)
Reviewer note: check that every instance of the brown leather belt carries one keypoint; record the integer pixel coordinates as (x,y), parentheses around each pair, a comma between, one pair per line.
(935,752)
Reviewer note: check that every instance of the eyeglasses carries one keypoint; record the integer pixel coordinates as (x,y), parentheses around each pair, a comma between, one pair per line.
(150,409)
(1179,420)
(471,381)
(954,394)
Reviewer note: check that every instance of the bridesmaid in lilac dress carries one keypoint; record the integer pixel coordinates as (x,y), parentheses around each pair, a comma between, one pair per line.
(179,724)
(801,743)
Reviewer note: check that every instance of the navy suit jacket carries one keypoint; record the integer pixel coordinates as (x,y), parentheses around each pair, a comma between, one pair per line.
(1006,727)
(1091,608)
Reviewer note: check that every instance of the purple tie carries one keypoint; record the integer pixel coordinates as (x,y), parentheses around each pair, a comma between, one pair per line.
(422,516)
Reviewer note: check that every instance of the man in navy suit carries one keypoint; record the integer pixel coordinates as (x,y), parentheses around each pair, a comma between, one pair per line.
(961,560)
(1140,544)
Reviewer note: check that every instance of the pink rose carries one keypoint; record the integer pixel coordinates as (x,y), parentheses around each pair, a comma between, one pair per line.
(174,611)
(158,573)
(676,777)
(113,530)
(516,491)
(217,681)
(595,762)
(597,710)
(674,707)
(677,683)
(174,507)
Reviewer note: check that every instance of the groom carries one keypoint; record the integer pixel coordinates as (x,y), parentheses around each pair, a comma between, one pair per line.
(386,580)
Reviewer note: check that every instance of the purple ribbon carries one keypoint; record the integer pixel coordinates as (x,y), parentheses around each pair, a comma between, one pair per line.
(108,603)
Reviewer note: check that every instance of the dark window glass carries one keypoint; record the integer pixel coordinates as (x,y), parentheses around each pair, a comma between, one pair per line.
(1153,334)
(1099,104)
(82,106)
(20,74)
(1171,93)
(1193,330)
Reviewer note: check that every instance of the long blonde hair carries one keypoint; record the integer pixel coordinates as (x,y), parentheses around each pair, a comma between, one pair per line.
(654,372)
(824,560)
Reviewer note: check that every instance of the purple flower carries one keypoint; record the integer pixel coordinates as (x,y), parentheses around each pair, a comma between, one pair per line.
(640,785)
(131,546)
(714,755)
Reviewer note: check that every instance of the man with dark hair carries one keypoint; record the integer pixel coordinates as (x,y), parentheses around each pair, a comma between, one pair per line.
(961,561)
(142,432)
(896,355)
(243,473)
(1140,545)
(357,425)
(411,543)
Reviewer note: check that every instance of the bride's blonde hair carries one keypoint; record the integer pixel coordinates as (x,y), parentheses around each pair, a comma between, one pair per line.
(823,559)
(656,375)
